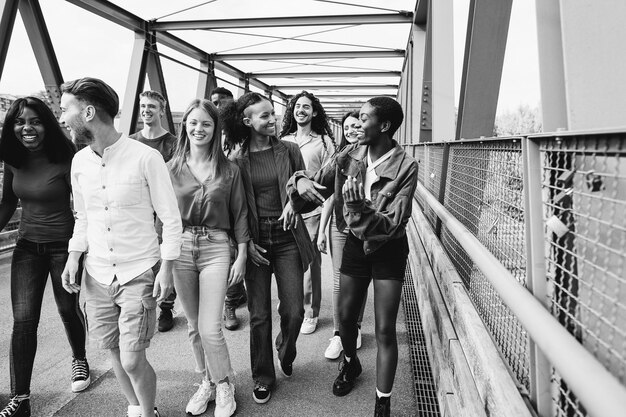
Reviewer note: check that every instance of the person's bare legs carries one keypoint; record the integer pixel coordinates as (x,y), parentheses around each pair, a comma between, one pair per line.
(136,377)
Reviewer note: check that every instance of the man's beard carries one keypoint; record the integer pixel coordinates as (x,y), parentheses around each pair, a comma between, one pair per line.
(82,137)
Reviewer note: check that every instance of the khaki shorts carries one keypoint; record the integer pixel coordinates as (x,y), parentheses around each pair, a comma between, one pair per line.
(121,316)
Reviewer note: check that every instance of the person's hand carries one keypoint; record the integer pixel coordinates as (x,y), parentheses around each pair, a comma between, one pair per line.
(164,281)
(237,271)
(255,254)
(321,242)
(68,276)
(288,217)
(352,191)
(307,189)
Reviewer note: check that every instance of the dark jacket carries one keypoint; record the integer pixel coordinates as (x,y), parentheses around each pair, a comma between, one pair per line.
(374,222)
(288,160)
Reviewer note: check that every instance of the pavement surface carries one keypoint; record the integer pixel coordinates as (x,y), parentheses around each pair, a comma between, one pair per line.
(306,393)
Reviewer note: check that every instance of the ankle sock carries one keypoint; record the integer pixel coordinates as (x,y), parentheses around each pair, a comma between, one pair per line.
(382,395)
(23,397)
(347,359)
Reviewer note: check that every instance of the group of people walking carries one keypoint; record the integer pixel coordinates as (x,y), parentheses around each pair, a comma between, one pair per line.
(224,202)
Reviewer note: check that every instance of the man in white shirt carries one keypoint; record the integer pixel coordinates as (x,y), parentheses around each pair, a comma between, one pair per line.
(118,184)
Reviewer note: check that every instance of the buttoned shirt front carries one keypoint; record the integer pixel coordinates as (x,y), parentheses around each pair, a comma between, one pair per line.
(115,198)
(316,151)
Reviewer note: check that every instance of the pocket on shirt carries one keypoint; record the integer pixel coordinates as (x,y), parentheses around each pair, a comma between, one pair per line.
(126,192)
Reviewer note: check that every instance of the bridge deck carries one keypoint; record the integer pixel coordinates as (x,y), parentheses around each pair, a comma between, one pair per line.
(308,392)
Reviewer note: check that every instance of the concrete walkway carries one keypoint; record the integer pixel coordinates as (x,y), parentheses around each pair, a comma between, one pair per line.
(306,393)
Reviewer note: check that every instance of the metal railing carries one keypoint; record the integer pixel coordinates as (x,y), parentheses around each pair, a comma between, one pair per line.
(550,210)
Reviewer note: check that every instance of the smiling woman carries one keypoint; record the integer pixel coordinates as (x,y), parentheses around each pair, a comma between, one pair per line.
(37,158)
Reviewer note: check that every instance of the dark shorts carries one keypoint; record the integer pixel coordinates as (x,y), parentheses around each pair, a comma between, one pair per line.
(387,262)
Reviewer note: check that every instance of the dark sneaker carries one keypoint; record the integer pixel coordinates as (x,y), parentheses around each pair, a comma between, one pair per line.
(231,322)
(243,299)
(348,372)
(261,393)
(16,408)
(80,375)
(156,412)
(382,407)
(286,370)
(166,320)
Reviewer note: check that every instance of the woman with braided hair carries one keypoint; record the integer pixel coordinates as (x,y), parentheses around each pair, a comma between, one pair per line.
(306,125)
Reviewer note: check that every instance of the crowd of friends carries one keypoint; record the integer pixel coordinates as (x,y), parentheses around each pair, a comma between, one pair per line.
(206,218)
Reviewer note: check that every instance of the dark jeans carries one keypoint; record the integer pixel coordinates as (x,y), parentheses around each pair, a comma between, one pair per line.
(235,295)
(285,263)
(31,264)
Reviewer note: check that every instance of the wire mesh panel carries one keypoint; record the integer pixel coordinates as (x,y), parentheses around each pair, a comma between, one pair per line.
(584,199)
(430,174)
(484,191)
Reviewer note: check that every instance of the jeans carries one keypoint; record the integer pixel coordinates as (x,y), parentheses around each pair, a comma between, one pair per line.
(201,278)
(337,242)
(30,266)
(285,263)
(313,275)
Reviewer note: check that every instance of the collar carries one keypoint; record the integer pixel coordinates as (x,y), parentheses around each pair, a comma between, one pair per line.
(388,170)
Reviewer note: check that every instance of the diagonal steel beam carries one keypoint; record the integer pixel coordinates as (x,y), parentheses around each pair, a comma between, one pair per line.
(365,19)
(8,8)
(398,53)
(37,31)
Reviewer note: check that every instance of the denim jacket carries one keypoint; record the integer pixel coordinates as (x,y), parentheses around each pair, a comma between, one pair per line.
(288,160)
(374,222)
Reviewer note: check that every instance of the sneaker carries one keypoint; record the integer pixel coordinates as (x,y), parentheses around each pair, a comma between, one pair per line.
(166,320)
(200,400)
(156,412)
(261,393)
(285,369)
(348,372)
(243,299)
(358,339)
(382,407)
(334,349)
(308,325)
(225,404)
(16,408)
(231,322)
(80,375)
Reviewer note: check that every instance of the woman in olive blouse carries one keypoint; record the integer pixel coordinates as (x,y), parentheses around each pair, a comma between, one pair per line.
(213,207)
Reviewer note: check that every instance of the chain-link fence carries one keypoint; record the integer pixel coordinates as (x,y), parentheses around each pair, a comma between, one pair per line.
(584,222)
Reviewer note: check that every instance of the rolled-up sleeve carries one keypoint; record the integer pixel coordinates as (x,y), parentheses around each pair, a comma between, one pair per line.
(165,205)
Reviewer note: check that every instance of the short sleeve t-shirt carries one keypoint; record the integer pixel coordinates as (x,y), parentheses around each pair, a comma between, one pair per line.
(165,144)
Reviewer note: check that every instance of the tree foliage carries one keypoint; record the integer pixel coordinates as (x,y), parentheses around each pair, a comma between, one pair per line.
(521,121)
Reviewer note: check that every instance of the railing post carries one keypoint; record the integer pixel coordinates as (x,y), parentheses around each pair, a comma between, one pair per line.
(442,184)
(540,368)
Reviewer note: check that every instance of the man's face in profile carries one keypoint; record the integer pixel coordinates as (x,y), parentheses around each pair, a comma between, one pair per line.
(220,100)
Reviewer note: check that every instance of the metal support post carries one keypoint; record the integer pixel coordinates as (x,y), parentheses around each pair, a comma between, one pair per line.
(540,368)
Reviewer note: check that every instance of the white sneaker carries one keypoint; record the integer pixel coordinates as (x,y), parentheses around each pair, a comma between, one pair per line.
(308,325)
(334,349)
(225,404)
(200,400)
(358,339)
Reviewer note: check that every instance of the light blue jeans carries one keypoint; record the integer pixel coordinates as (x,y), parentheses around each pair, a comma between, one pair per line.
(201,280)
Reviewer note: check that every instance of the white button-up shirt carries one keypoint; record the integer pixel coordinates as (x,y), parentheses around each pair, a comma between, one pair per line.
(115,198)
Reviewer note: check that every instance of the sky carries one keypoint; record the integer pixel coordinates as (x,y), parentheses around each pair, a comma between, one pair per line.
(88,45)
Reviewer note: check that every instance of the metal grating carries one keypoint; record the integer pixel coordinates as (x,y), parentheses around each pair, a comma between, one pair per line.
(425,389)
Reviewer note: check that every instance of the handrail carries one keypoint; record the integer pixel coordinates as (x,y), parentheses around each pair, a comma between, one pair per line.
(600,392)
